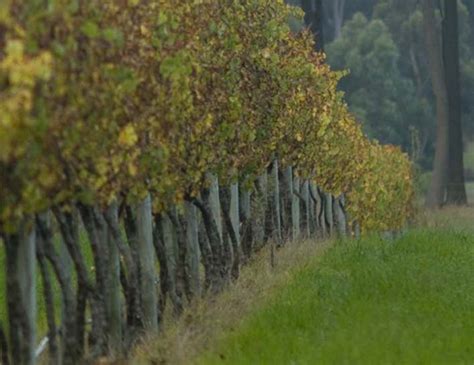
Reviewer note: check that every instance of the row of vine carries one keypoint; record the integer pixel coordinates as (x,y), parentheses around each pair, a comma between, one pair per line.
(113,109)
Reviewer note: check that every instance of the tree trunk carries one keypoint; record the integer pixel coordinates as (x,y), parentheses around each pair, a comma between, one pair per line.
(68,225)
(456,189)
(234,213)
(259,208)
(130,271)
(338,16)
(295,208)
(437,189)
(95,227)
(147,261)
(214,202)
(170,258)
(3,347)
(313,216)
(318,210)
(48,296)
(114,298)
(158,241)
(71,337)
(314,20)
(328,213)
(180,244)
(192,249)
(356,229)
(245,217)
(287,202)
(21,294)
(206,255)
(211,215)
(274,203)
(231,230)
(305,209)
(216,280)
(340,216)
(228,234)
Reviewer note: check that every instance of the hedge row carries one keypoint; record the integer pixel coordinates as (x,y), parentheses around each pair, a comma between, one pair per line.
(104,99)
(195,131)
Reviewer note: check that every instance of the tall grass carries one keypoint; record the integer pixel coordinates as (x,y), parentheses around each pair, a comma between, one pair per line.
(367,302)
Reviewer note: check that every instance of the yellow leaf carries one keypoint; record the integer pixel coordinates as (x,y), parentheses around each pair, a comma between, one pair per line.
(128,136)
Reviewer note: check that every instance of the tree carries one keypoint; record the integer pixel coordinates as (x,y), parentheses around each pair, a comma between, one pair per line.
(435,197)
(382,98)
(314,20)
(338,11)
(338,16)
(456,189)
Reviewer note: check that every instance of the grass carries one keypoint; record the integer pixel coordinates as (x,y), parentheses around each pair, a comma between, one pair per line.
(208,319)
(368,302)
(459,219)
(469,156)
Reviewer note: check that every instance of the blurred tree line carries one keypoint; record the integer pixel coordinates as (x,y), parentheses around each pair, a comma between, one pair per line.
(389,89)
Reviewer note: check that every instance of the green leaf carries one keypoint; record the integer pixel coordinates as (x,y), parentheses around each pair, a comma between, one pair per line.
(113,35)
(90,29)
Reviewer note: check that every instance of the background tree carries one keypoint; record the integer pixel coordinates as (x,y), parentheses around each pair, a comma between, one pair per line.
(313,18)
(456,189)
(435,197)
(382,98)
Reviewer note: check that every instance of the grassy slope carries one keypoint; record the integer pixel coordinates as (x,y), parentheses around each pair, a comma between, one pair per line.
(410,301)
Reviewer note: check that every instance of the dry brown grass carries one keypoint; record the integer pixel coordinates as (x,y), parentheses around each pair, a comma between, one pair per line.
(207,319)
(451,217)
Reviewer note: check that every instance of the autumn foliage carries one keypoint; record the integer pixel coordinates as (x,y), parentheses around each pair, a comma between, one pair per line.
(106,99)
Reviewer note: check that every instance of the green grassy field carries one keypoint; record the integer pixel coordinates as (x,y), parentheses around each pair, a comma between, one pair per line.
(409,301)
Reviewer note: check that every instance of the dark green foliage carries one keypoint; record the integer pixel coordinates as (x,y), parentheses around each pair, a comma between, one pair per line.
(376,91)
